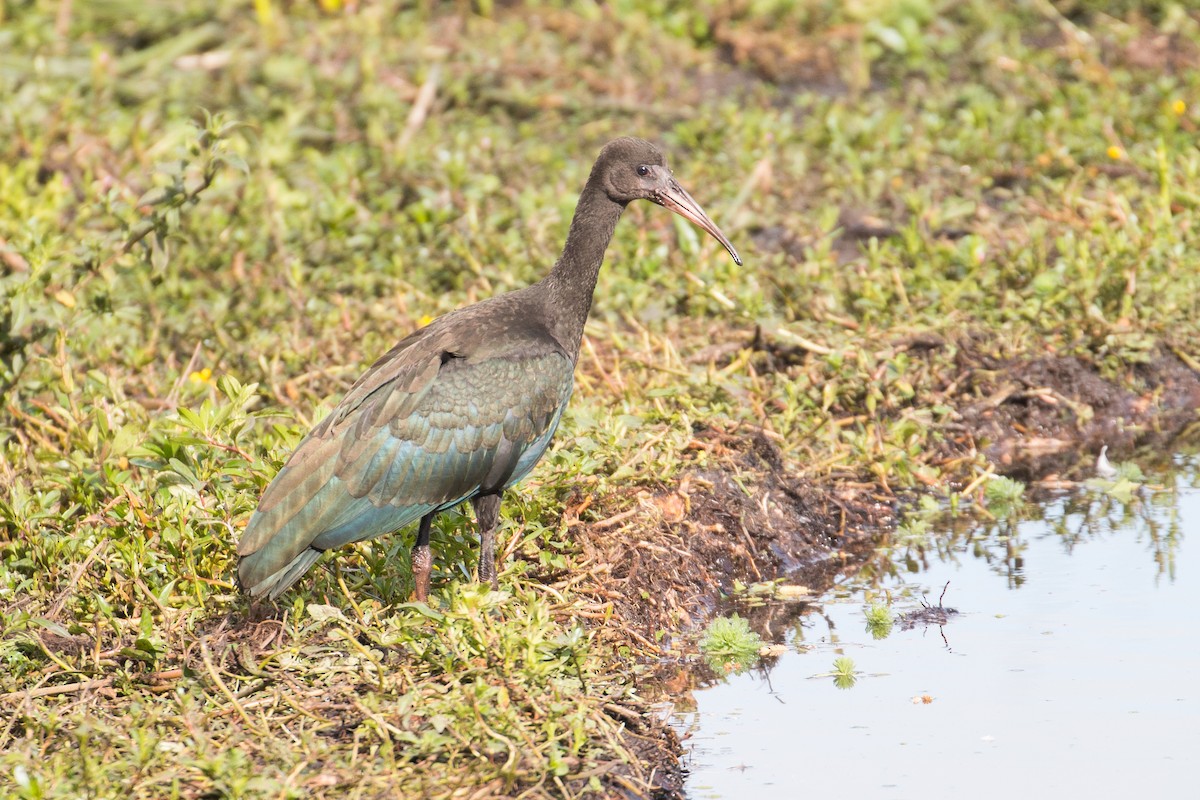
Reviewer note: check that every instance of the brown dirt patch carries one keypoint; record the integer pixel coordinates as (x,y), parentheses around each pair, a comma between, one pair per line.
(1035,417)
(743,517)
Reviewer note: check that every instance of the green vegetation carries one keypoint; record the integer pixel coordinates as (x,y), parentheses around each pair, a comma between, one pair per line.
(844,675)
(1128,478)
(1004,495)
(730,645)
(1120,471)
(879,621)
(213,216)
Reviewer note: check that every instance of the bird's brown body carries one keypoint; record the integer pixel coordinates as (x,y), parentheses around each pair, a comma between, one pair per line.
(459,410)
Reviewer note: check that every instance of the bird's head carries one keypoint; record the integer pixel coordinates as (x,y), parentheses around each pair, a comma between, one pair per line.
(633,169)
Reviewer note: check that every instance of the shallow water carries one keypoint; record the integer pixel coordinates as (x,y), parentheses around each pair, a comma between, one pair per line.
(1072,669)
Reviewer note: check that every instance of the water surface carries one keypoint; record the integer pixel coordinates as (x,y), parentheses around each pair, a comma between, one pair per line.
(1071,670)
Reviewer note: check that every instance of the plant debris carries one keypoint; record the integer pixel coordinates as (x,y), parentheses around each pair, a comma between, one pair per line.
(927,614)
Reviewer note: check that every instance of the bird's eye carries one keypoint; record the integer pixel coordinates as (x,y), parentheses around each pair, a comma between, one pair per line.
(643,170)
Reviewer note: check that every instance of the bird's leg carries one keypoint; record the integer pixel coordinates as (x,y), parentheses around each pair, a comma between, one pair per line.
(422,559)
(487,514)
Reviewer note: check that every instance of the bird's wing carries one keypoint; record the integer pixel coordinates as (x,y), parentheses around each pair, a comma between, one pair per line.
(423,430)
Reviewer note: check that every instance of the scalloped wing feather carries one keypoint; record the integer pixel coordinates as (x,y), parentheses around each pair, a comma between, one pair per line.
(411,437)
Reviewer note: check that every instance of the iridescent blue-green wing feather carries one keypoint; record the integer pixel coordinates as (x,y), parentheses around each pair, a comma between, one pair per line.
(409,439)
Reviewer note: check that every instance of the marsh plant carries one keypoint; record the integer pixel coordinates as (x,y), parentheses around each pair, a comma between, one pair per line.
(844,674)
(1005,496)
(1126,478)
(913,532)
(879,621)
(730,645)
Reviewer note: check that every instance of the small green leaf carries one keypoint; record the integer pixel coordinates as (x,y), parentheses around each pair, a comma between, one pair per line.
(155,196)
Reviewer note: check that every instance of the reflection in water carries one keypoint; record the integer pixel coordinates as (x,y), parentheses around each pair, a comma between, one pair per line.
(1069,671)
(1152,515)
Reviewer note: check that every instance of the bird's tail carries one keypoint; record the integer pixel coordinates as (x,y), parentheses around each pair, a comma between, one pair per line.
(275,584)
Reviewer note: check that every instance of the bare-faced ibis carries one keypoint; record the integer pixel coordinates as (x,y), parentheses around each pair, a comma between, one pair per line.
(460,410)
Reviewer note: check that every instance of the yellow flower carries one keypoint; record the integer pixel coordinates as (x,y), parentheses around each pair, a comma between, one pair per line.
(423,321)
(1116,153)
(1179,107)
(201,376)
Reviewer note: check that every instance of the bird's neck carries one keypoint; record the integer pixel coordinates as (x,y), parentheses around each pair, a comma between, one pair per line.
(570,285)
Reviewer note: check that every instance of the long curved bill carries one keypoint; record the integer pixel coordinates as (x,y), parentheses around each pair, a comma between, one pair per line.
(675,198)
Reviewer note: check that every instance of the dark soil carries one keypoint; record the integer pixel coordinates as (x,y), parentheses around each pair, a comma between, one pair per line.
(1051,415)
(667,565)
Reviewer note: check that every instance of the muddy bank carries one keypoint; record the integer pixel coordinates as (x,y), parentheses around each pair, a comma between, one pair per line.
(1034,418)
(746,516)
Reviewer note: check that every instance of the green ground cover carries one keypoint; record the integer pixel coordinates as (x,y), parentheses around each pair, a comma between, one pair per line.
(213,216)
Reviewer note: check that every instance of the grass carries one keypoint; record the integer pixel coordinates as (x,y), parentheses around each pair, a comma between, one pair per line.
(216,215)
